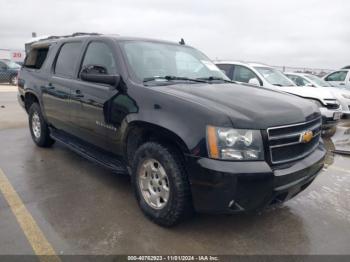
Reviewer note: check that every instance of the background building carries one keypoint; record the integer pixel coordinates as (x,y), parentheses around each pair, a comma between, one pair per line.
(14,55)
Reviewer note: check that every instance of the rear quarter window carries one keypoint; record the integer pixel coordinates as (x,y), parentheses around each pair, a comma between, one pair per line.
(36,57)
(67,59)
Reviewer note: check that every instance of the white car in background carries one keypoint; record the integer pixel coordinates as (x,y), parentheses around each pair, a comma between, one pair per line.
(269,77)
(340,78)
(308,80)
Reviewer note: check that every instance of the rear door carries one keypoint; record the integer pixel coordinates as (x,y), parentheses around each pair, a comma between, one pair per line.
(90,100)
(56,94)
(338,78)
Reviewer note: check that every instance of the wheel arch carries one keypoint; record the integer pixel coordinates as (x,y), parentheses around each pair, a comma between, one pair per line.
(29,99)
(144,132)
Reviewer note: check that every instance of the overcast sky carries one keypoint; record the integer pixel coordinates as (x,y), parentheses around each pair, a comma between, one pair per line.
(305,33)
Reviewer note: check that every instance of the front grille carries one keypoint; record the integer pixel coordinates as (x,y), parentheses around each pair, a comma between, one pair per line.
(332,104)
(285,144)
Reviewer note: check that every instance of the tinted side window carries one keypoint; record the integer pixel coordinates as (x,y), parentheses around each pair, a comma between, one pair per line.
(100,54)
(243,74)
(67,59)
(226,68)
(36,57)
(337,76)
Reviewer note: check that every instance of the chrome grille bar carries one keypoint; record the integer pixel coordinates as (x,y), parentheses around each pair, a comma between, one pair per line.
(285,144)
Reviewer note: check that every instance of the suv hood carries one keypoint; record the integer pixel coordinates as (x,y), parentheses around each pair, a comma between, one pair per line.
(247,106)
(308,92)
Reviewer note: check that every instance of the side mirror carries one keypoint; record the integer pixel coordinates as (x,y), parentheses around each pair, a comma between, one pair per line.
(309,85)
(254,81)
(99,74)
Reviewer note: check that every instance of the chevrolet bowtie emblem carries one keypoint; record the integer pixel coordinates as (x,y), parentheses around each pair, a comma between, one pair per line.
(306,136)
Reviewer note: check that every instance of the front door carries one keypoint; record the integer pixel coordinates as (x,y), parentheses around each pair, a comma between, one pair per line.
(337,78)
(90,100)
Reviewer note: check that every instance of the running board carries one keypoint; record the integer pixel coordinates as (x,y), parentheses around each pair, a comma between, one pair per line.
(90,152)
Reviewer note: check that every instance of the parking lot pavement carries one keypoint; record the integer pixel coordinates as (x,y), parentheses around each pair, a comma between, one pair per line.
(82,208)
(11,114)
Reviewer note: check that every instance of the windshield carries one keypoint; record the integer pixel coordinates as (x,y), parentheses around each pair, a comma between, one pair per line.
(13,65)
(151,60)
(318,81)
(274,76)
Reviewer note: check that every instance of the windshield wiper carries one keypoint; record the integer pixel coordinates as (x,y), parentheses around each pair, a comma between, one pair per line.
(213,78)
(277,84)
(172,78)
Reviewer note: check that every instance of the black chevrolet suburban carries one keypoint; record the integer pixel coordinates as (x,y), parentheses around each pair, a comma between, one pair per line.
(163,113)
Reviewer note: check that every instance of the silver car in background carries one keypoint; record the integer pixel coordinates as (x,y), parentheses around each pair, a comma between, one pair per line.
(269,77)
(340,78)
(342,94)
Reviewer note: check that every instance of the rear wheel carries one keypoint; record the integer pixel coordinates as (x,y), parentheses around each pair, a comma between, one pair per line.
(161,184)
(39,129)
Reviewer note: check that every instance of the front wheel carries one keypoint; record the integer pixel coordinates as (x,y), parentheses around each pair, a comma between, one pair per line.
(161,184)
(39,129)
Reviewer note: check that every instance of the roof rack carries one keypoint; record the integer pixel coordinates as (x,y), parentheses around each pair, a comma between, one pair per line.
(64,36)
(45,38)
(72,35)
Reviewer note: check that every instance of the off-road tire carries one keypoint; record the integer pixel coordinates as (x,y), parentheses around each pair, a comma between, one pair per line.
(179,204)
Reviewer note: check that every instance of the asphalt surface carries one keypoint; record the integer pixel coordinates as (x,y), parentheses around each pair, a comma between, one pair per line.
(81,208)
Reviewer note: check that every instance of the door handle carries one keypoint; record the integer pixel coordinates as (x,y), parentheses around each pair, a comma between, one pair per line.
(50,87)
(342,84)
(78,93)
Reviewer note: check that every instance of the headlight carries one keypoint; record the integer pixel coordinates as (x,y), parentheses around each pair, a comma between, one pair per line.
(316,102)
(346,96)
(234,144)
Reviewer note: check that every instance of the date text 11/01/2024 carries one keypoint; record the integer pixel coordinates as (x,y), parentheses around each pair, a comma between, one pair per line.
(174,258)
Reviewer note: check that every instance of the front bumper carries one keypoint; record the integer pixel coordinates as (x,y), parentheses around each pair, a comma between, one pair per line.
(328,117)
(229,187)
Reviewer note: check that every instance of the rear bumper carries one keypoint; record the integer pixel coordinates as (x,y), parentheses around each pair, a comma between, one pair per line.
(230,187)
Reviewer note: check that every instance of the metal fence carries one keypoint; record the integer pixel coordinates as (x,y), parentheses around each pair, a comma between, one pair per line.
(314,71)
(8,72)
(8,77)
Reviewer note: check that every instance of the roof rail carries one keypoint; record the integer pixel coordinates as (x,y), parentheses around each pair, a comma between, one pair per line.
(66,36)
(45,38)
(82,33)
